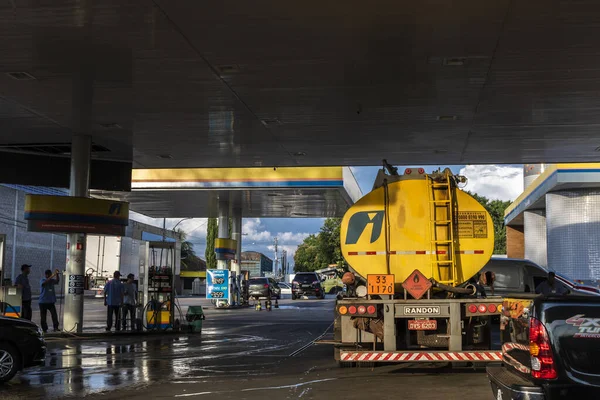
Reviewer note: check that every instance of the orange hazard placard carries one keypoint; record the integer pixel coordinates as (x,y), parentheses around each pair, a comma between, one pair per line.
(416,284)
(380,284)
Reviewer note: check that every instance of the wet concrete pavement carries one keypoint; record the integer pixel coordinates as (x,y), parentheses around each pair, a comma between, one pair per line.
(241,354)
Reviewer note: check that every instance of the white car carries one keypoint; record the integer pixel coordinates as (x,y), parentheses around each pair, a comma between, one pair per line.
(285,288)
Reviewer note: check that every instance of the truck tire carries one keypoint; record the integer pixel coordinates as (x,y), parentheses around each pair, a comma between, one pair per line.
(10,362)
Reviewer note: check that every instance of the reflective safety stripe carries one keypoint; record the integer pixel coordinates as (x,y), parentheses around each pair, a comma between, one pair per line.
(409,252)
(378,356)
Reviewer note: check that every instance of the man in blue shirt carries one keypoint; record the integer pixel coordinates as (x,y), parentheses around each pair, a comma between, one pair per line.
(48,298)
(22,282)
(113,299)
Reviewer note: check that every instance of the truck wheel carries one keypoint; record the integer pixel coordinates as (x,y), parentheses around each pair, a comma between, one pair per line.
(9,362)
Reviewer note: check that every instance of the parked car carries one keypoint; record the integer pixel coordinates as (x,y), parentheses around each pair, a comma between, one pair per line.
(549,348)
(263,288)
(286,288)
(307,284)
(22,345)
(514,275)
(332,285)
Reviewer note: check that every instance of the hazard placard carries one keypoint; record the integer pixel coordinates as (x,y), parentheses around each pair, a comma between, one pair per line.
(416,284)
(380,284)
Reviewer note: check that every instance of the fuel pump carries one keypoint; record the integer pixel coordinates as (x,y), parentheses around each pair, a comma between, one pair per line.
(157,285)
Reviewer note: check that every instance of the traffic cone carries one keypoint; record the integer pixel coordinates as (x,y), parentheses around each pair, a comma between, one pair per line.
(268,305)
(258,307)
(276,303)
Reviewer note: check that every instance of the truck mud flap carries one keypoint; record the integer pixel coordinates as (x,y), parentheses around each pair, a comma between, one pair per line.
(412,356)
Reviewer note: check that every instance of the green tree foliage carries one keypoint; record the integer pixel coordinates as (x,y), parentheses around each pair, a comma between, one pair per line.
(187,247)
(496,209)
(318,251)
(306,257)
(189,260)
(211,234)
(330,250)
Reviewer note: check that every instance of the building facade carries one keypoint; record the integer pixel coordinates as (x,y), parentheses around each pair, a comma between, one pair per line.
(257,264)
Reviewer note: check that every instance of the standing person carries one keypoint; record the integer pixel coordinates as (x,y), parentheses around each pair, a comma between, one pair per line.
(113,299)
(22,282)
(48,298)
(129,302)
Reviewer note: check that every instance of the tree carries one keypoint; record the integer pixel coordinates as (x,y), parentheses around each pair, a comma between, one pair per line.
(330,251)
(496,209)
(318,251)
(211,235)
(187,247)
(307,255)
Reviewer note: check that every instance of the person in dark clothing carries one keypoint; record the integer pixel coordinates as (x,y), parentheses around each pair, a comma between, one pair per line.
(48,299)
(22,282)
(113,299)
(129,302)
(550,286)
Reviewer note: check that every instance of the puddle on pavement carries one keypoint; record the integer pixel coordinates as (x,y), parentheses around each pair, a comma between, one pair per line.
(76,369)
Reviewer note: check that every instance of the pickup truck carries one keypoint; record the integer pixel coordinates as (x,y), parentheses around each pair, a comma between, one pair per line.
(550,348)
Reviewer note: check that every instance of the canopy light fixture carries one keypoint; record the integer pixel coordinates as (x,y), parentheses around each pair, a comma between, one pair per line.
(21,76)
(447,118)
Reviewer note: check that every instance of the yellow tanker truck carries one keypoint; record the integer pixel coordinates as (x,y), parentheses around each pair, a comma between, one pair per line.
(414,245)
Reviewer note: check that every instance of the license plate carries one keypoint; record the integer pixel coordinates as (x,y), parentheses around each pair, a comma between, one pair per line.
(306,286)
(422,325)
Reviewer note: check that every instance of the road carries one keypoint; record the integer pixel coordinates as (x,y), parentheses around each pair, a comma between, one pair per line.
(241,354)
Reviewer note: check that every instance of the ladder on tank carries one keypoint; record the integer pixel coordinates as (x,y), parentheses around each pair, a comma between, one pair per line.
(441,199)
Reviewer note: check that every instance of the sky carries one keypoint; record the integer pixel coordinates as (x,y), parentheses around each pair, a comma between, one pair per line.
(502,182)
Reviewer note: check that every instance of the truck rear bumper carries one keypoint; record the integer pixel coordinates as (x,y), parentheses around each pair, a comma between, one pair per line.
(429,356)
(507,385)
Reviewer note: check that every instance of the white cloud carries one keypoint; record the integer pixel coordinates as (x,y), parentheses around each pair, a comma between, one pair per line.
(496,182)
(292,238)
(254,232)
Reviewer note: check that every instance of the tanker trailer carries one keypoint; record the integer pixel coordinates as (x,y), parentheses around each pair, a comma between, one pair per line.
(414,245)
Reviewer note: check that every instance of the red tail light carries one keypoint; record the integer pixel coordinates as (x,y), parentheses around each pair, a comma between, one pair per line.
(351,310)
(362,309)
(542,360)
(371,309)
(482,308)
(472,308)
(492,308)
(266,286)
(421,171)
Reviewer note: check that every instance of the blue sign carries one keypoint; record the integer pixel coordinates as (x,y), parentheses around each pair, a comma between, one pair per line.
(217,284)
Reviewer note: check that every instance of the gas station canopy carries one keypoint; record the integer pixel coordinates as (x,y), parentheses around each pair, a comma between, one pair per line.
(259,192)
(188,84)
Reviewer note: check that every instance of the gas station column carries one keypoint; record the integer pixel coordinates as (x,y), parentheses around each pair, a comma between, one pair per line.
(79,187)
(223,228)
(236,234)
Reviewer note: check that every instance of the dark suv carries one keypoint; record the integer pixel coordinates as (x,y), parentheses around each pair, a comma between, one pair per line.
(307,284)
(22,345)
(259,288)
